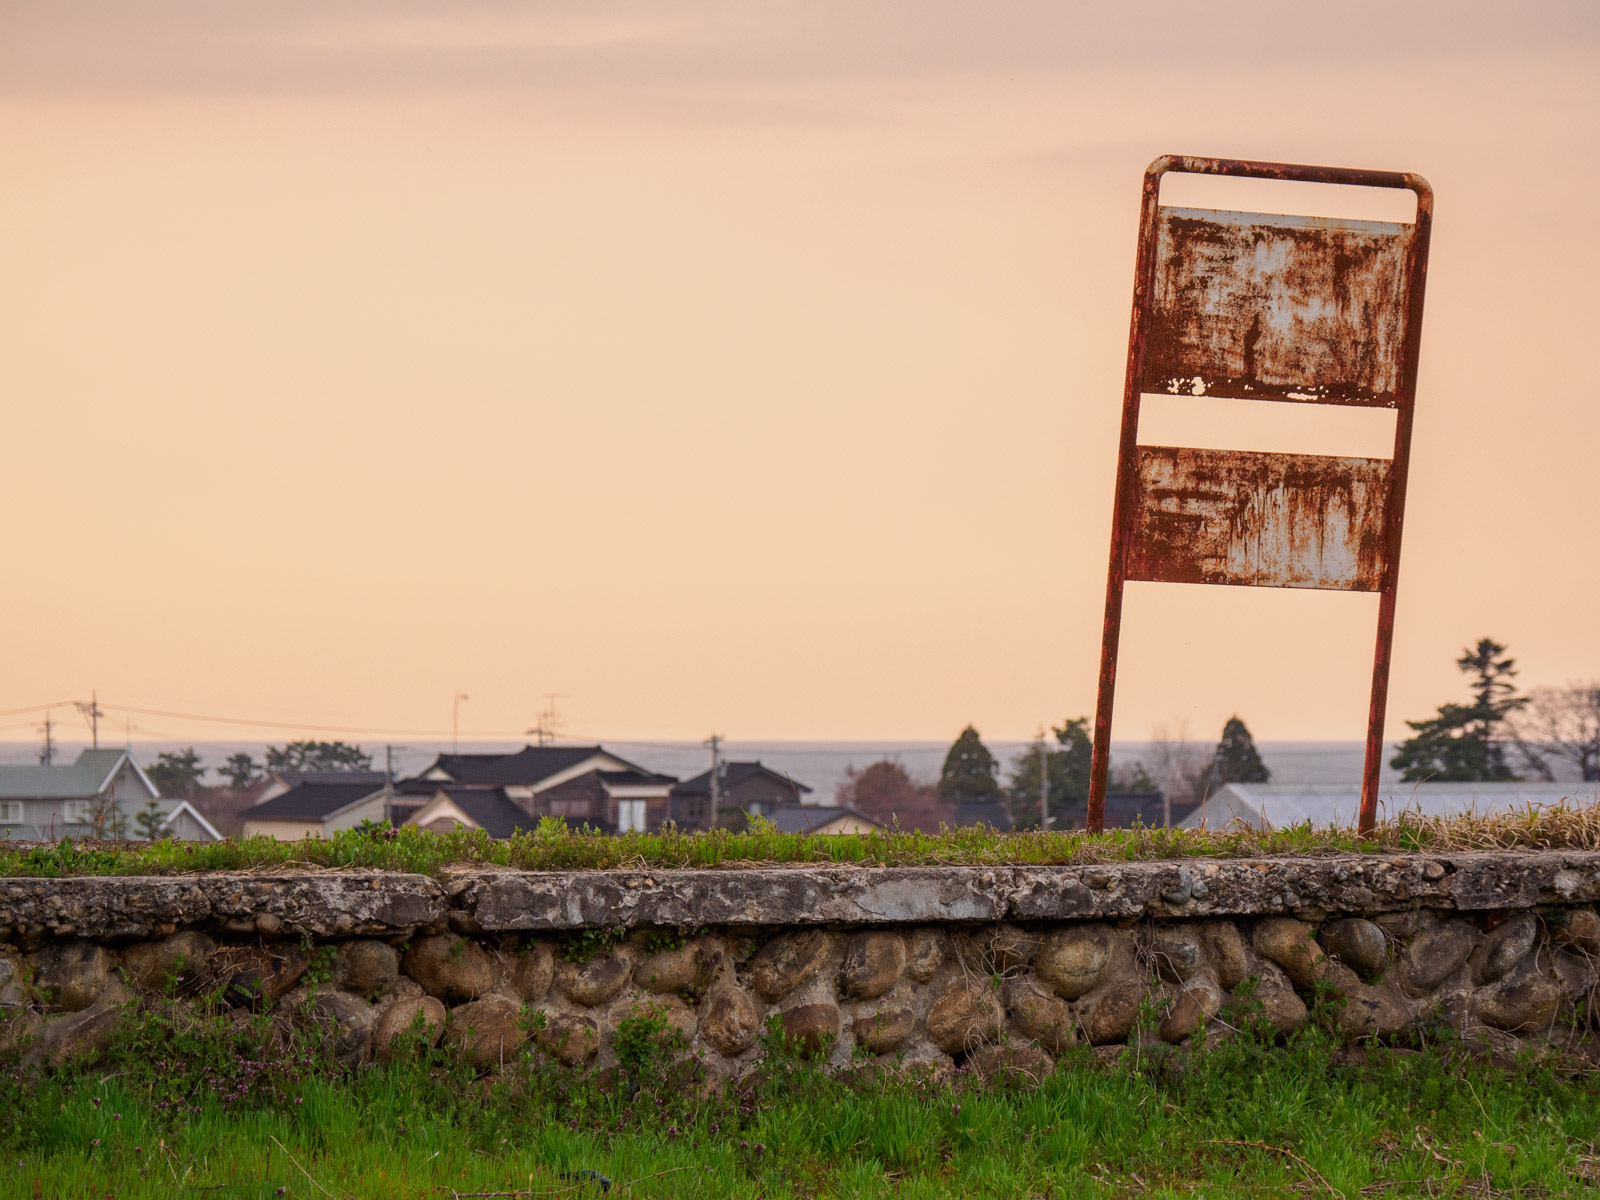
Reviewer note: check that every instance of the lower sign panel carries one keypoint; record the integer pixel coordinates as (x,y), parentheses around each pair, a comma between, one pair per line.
(1260,520)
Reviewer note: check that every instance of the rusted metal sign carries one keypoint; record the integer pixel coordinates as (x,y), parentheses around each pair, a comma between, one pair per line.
(1262,306)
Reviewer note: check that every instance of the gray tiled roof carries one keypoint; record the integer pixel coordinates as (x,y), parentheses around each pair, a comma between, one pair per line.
(313,801)
(80,780)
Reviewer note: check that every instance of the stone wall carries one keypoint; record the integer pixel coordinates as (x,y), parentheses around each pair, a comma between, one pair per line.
(989,967)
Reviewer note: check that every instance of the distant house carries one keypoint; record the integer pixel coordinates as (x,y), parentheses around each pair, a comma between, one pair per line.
(451,807)
(742,787)
(583,785)
(929,814)
(277,783)
(1270,806)
(1123,810)
(814,818)
(102,794)
(318,804)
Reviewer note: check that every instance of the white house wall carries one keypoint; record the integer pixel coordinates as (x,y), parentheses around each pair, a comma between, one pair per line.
(126,785)
(294,831)
(370,809)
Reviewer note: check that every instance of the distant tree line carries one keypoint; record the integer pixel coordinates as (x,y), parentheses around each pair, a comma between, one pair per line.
(971,775)
(179,773)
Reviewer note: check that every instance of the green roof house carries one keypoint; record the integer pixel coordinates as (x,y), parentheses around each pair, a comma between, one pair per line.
(100,795)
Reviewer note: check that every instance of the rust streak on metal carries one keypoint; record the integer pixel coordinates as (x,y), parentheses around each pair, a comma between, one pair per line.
(1261,520)
(1263,306)
(1272,308)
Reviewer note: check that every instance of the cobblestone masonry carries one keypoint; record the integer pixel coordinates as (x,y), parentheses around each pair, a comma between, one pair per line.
(999,968)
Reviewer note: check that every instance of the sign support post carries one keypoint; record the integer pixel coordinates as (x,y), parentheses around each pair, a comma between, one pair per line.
(1264,306)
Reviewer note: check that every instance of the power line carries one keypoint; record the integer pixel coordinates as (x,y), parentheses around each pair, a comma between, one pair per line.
(13,712)
(297,725)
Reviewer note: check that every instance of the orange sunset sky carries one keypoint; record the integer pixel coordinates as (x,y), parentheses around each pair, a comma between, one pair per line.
(741,366)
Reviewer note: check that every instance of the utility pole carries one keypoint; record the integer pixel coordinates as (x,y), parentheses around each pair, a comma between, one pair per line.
(715,742)
(92,714)
(47,753)
(455,722)
(388,784)
(1044,786)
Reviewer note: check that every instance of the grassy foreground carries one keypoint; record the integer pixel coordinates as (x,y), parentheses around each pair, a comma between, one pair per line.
(191,1113)
(553,846)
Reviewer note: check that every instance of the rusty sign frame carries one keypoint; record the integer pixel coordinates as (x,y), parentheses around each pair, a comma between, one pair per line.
(1175,516)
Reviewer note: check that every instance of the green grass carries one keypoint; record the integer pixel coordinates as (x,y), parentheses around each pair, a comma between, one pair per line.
(172,1114)
(553,846)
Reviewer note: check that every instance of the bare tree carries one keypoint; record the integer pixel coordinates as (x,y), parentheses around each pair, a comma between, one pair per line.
(1179,766)
(1560,724)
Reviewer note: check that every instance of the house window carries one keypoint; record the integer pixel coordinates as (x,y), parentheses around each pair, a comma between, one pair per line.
(630,816)
(10,812)
(77,812)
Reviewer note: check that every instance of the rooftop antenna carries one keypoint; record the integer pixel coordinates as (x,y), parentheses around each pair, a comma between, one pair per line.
(455,722)
(549,720)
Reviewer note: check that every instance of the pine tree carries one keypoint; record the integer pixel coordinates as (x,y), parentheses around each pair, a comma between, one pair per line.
(1235,760)
(969,771)
(148,819)
(1459,744)
(318,756)
(240,770)
(176,772)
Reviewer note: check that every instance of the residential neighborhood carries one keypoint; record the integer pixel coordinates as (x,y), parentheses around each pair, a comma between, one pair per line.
(107,794)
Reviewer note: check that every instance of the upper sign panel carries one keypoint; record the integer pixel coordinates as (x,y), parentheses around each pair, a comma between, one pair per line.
(1267,307)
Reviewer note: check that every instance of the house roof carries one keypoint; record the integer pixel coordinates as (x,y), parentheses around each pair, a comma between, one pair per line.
(1267,806)
(812,817)
(489,808)
(733,774)
(84,779)
(1123,810)
(294,778)
(313,801)
(170,811)
(529,766)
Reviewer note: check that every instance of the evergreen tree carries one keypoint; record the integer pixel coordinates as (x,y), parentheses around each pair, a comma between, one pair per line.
(176,772)
(318,756)
(969,771)
(1067,771)
(148,819)
(1235,760)
(240,770)
(1459,744)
